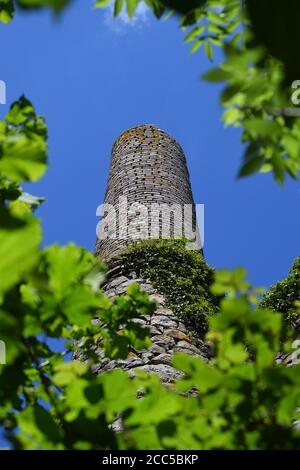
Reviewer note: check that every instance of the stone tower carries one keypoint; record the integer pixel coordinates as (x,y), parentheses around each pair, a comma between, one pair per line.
(148,178)
(150,195)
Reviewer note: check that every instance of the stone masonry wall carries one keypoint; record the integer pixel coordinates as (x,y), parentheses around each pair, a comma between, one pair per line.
(168,335)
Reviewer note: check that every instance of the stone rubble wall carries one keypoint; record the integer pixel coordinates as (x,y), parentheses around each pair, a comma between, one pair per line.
(168,335)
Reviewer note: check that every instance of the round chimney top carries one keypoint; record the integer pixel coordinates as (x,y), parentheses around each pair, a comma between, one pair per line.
(148,174)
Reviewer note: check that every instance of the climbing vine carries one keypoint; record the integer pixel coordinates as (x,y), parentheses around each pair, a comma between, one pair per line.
(181,275)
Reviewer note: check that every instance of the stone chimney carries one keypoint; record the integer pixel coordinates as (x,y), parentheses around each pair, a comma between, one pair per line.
(148,178)
(148,175)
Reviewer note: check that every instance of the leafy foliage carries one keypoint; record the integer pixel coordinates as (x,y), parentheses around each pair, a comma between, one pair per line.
(181,275)
(245,399)
(281,46)
(259,68)
(283,296)
(7,7)
(6,11)
(49,294)
(23,143)
(23,154)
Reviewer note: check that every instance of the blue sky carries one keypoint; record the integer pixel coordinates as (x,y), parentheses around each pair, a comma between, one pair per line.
(93,77)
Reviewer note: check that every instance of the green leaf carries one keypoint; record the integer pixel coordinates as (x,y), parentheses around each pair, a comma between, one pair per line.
(80,305)
(131,6)
(287,407)
(215,75)
(119,392)
(23,159)
(64,374)
(236,353)
(232,116)
(158,7)
(278,164)
(216,41)
(158,405)
(55,5)
(19,241)
(209,51)
(138,336)
(9,191)
(194,33)
(38,427)
(215,29)
(45,423)
(251,166)
(118,7)
(198,373)
(102,3)
(20,112)
(263,128)
(66,266)
(95,278)
(6,11)
(23,149)
(197,44)
(116,346)
(228,94)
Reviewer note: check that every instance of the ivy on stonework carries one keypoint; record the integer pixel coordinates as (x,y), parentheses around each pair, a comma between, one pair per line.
(181,275)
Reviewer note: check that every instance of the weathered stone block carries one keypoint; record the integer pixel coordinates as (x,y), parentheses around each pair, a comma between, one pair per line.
(166,373)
